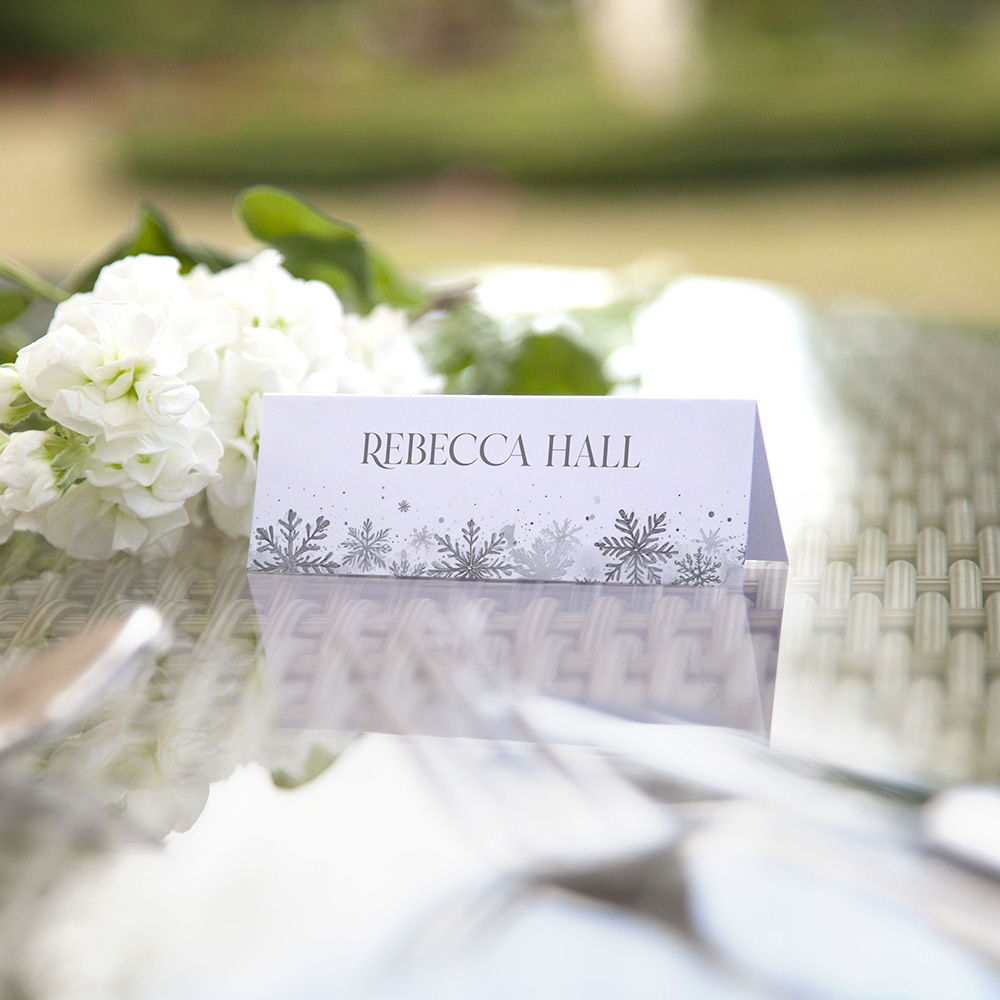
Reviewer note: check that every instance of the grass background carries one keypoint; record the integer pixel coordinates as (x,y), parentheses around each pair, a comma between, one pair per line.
(766,106)
(839,161)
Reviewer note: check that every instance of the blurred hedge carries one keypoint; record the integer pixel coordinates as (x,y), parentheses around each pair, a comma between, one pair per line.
(815,103)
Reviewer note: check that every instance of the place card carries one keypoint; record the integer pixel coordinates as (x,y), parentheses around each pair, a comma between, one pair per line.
(622,490)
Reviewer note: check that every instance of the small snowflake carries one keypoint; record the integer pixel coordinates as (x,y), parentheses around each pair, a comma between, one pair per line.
(403,506)
(636,555)
(710,541)
(366,548)
(699,570)
(563,536)
(422,538)
(472,557)
(403,566)
(290,555)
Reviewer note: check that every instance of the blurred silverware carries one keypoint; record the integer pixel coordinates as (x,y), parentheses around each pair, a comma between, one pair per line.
(57,685)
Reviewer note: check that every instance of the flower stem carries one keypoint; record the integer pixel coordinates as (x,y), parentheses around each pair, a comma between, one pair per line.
(28,279)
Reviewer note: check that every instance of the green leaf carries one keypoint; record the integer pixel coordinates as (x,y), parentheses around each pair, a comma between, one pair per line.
(25,556)
(317,246)
(391,287)
(465,345)
(469,348)
(554,364)
(12,304)
(29,281)
(318,760)
(151,233)
(69,459)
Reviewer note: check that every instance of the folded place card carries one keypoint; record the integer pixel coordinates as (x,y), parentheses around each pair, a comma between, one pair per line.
(588,489)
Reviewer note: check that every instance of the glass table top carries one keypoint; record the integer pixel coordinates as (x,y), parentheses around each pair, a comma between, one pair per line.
(187,834)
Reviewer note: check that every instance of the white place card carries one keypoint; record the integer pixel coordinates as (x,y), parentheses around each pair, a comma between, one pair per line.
(587,489)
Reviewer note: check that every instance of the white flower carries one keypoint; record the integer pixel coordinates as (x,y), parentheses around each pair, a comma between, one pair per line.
(263,294)
(12,397)
(199,314)
(385,357)
(92,523)
(113,373)
(230,497)
(235,401)
(27,478)
(153,476)
(162,375)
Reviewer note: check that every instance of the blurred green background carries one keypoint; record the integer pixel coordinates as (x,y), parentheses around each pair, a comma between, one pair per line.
(849,147)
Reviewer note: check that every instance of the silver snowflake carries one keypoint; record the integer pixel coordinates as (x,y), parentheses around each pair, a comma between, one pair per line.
(698,570)
(403,506)
(288,552)
(636,555)
(366,548)
(710,541)
(563,536)
(472,557)
(422,538)
(403,566)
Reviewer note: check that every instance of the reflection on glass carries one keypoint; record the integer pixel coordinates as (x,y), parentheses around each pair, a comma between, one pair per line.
(361,654)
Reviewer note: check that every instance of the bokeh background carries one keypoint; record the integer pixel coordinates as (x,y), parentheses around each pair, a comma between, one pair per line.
(847,147)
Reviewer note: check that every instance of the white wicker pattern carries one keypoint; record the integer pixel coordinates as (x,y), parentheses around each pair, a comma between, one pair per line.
(893,613)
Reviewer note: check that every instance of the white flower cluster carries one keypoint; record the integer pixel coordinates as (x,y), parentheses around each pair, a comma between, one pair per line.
(144,396)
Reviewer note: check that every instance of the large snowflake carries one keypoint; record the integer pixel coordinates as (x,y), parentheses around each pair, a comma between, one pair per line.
(366,547)
(545,560)
(698,570)
(288,552)
(472,557)
(637,554)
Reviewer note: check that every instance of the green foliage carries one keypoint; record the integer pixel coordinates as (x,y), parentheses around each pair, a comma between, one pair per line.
(477,356)
(68,458)
(316,246)
(13,302)
(768,106)
(168,27)
(317,761)
(26,555)
(151,233)
(553,364)
(469,348)
(466,347)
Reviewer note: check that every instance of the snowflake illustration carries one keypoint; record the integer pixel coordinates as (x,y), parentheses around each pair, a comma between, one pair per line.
(366,548)
(472,557)
(403,566)
(636,555)
(563,536)
(403,506)
(545,560)
(710,541)
(288,553)
(698,570)
(422,538)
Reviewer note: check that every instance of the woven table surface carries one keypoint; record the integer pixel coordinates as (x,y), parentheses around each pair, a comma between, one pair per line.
(891,645)
(890,648)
